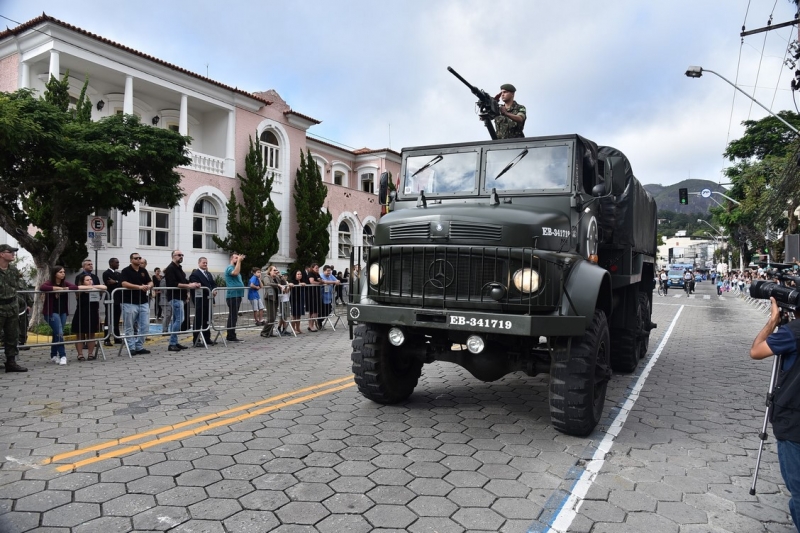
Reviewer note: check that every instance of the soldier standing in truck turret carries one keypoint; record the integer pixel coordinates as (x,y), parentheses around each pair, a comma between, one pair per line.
(512,115)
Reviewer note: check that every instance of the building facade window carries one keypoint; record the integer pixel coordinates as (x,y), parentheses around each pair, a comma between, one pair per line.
(154,225)
(368,182)
(366,236)
(345,240)
(338,178)
(271,150)
(205,221)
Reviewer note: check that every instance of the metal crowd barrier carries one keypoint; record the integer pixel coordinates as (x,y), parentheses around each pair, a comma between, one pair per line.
(75,309)
(189,319)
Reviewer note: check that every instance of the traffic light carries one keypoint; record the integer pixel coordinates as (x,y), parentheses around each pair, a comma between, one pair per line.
(683,195)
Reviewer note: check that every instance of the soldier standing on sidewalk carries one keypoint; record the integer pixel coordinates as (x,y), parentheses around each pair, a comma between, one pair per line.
(9,308)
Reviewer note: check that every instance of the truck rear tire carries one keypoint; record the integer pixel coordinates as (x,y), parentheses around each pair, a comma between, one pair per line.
(579,378)
(381,373)
(647,317)
(626,348)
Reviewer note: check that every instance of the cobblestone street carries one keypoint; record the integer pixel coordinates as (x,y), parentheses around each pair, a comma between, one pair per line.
(272,435)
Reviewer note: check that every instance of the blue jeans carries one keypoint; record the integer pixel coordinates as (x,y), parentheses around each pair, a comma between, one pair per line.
(789,459)
(177,320)
(56,322)
(139,313)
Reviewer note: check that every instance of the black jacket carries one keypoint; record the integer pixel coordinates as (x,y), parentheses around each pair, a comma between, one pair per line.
(197,276)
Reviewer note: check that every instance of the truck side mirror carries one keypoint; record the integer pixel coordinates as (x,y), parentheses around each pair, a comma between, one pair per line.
(599,190)
(617,168)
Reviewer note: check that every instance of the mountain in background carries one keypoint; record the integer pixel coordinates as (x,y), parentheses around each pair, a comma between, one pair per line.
(667,196)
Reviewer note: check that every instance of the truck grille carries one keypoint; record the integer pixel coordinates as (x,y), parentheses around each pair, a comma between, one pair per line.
(410,231)
(485,232)
(473,277)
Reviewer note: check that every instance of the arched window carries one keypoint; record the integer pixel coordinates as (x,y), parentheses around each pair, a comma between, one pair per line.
(204,225)
(345,240)
(367,237)
(270,147)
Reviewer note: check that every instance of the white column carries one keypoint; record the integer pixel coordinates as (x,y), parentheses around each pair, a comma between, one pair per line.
(25,79)
(183,126)
(230,145)
(55,67)
(127,100)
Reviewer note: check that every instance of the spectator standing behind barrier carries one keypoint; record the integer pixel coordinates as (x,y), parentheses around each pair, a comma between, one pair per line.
(135,307)
(314,301)
(177,294)
(112,280)
(202,302)
(297,299)
(55,310)
(271,291)
(86,321)
(157,277)
(284,306)
(163,303)
(330,283)
(9,308)
(88,269)
(233,296)
(254,297)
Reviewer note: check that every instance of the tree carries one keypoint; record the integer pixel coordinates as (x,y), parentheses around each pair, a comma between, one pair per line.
(253,225)
(57,167)
(313,235)
(765,182)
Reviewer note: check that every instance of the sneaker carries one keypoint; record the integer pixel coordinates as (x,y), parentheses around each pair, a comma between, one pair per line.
(62,361)
(174,348)
(234,340)
(54,359)
(142,352)
(182,347)
(286,334)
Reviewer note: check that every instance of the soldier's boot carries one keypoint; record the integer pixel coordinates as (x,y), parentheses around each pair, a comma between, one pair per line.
(12,366)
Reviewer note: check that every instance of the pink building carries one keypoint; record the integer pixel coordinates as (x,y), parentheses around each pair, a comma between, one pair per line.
(219,118)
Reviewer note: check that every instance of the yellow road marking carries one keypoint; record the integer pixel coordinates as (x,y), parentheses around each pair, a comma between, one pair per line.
(196,420)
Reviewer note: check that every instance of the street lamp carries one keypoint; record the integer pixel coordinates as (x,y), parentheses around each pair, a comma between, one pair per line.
(710,226)
(696,72)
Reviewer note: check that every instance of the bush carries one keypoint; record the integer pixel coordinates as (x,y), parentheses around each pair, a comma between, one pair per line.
(45,329)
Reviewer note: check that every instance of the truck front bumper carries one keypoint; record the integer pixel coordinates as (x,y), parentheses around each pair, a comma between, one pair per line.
(469,321)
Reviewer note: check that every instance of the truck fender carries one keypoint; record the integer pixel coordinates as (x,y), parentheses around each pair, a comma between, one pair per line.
(587,288)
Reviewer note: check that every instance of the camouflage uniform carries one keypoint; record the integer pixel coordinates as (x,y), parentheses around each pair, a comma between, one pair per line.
(25,302)
(507,128)
(9,310)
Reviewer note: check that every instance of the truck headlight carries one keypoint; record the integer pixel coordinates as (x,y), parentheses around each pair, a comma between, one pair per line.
(526,280)
(375,274)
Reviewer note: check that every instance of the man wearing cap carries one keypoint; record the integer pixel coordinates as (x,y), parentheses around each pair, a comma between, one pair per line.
(9,321)
(512,115)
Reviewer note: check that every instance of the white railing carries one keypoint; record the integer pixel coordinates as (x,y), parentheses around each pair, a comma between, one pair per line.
(207,163)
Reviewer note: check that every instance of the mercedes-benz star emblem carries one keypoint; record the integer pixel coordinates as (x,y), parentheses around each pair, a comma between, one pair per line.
(441,273)
(354,313)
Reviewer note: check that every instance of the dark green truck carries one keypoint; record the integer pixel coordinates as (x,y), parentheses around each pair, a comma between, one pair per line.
(533,255)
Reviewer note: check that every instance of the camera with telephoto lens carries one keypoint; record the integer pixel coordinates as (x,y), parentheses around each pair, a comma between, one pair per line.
(785,296)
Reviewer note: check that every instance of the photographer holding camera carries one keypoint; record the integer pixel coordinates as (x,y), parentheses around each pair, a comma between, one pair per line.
(785,399)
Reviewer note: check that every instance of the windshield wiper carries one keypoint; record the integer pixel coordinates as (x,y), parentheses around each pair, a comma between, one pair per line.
(512,163)
(428,164)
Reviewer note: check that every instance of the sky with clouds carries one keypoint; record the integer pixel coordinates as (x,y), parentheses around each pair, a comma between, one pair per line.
(375,73)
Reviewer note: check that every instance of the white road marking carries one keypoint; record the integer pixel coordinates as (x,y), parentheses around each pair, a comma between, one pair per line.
(568,512)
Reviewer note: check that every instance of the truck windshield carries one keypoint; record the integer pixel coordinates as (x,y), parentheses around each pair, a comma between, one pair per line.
(451,173)
(527,168)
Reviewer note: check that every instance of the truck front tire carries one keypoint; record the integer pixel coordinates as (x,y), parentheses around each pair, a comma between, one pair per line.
(579,378)
(382,373)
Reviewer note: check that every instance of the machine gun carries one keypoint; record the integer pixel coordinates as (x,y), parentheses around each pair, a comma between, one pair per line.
(488,106)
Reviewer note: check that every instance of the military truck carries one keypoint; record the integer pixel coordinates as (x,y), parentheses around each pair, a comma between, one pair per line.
(533,255)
